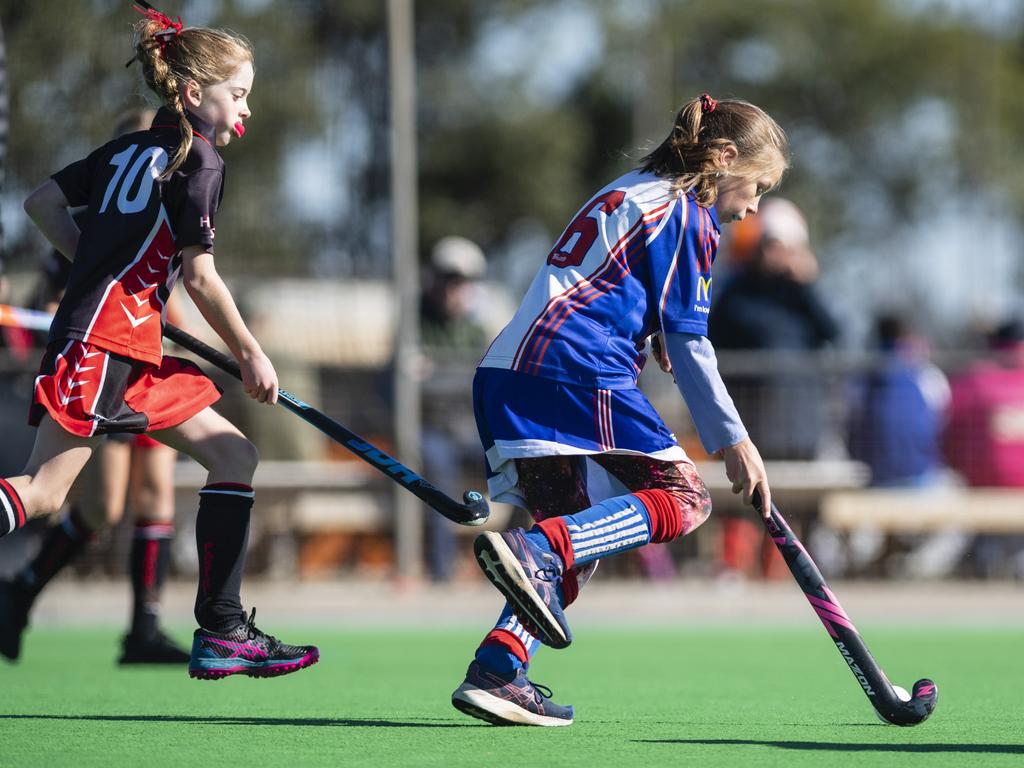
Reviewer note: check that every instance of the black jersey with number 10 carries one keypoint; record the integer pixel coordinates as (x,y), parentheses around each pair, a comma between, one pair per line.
(133,230)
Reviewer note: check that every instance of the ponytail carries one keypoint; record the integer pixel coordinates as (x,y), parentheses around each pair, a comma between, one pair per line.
(172,57)
(151,48)
(691,155)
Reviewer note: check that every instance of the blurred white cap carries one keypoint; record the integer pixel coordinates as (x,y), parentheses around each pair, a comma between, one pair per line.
(454,255)
(781,220)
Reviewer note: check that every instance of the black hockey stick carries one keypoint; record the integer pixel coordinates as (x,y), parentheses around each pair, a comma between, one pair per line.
(889,705)
(474,511)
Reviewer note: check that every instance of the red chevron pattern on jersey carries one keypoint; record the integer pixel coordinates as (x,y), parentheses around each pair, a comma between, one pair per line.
(129,317)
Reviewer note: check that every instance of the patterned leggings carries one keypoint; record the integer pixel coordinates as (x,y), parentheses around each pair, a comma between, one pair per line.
(557,485)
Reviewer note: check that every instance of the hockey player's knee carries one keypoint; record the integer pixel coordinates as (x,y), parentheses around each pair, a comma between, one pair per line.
(674,512)
(238,461)
(698,508)
(693,497)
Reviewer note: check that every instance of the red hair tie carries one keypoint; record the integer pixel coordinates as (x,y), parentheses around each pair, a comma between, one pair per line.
(707,104)
(169,30)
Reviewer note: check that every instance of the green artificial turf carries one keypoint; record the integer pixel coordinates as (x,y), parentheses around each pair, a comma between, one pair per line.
(723,697)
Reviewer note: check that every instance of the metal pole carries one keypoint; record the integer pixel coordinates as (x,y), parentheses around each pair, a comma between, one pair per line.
(404,223)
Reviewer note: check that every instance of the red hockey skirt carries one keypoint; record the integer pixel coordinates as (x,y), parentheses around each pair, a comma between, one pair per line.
(90,391)
(144,442)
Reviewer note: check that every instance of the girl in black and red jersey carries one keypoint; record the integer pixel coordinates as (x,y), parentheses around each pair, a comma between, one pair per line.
(130,471)
(151,200)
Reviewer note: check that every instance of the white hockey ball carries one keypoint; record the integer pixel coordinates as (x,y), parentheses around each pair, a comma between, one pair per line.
(902,694)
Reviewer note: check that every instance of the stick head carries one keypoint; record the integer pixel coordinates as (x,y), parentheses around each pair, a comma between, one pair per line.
(922,703)
(479,510)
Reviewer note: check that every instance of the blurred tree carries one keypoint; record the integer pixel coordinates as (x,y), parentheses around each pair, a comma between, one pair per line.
(899,111)
(68,81)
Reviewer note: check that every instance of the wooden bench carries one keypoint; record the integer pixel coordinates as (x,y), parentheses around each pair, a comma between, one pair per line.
(350,495)
(975,510)
(796,485)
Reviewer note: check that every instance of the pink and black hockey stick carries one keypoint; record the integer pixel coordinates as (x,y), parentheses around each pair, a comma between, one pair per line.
(887,703)
(474,511)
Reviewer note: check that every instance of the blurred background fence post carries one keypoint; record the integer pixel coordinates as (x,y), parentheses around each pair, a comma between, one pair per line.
(402,78)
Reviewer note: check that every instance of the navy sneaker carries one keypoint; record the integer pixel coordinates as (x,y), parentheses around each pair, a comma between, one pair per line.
(153,648)
(504,700)
(528,577)
(14,605)
(246,650)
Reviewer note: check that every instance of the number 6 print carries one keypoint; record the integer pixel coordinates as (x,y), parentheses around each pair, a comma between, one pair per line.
(575,242)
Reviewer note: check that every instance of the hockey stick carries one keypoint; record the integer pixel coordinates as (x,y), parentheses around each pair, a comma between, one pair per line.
(474,511)
(29,319)
(887,703)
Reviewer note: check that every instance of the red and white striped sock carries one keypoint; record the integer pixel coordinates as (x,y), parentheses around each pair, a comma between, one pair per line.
(12,511)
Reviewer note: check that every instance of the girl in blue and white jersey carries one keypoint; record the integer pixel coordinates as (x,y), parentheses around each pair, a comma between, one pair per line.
(566,431)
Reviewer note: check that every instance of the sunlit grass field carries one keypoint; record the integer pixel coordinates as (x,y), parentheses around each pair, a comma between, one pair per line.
(722,697)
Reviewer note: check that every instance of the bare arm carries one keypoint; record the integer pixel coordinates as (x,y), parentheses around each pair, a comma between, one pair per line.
(214,301)
(48,208)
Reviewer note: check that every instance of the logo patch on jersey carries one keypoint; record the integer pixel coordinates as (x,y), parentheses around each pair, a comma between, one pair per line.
(703,288)
(206,223)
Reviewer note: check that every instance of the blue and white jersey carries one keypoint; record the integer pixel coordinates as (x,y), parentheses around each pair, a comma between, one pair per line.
(636,259)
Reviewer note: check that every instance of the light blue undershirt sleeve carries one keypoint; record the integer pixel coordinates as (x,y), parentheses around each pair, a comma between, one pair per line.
(696,369)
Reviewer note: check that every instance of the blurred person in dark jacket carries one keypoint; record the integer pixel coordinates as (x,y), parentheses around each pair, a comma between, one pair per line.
(4,126)
(17,340)
(769,305)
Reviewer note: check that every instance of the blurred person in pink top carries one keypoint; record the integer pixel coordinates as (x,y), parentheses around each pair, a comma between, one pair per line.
(984,439)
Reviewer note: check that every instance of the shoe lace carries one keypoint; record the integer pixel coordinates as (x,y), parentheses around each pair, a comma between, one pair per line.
(254,632)
(541,692)
(549,573)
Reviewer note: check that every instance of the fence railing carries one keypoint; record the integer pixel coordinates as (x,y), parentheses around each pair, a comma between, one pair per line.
(801,409)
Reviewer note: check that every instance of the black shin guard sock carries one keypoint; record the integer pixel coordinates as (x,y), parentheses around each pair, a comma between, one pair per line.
(62,544)
(149,562)
(222,534)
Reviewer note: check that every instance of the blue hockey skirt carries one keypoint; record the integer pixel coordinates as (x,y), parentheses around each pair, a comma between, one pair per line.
(520,417)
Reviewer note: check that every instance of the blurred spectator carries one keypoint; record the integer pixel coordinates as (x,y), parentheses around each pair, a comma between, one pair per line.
(769,306)
(452,341)
(50,284)
(984,440)
(985,437)
(4,125)
(898,409)
(446,322)
(18,436)
(15,340)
